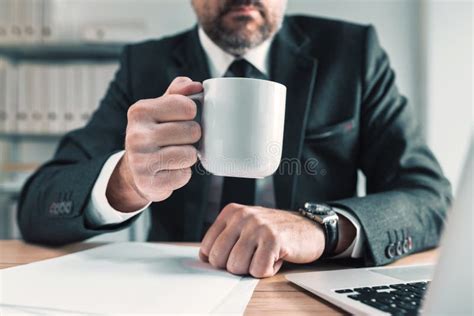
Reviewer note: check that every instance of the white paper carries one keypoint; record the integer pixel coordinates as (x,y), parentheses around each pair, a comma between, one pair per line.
(124,278)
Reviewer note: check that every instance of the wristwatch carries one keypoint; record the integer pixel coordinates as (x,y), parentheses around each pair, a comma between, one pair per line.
(327,217)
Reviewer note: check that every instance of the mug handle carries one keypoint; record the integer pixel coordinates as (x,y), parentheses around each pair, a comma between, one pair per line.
(198,97)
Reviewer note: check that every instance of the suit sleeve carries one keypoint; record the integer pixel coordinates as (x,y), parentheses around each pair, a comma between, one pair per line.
(53,200)
(407,194)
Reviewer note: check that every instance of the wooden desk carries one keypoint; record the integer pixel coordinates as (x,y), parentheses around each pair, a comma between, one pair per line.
(273,296)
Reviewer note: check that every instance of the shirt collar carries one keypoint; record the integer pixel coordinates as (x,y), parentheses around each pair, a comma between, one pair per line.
(219,60)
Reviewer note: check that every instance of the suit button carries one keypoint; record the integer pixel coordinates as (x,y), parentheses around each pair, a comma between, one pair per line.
(399,248)
(53,209)
(406,249)
(390,251)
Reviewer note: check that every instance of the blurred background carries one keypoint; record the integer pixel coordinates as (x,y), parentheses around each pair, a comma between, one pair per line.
(58,56)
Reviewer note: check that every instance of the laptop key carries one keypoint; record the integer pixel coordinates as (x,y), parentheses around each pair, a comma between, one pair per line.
(355,297)
(364,289)
(407,306)
(343,291)
(376,304)
(382,287)
(398,286)
(419,284)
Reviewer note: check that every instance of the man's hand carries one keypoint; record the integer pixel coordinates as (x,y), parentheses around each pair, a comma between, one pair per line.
(158,151)
(256,240)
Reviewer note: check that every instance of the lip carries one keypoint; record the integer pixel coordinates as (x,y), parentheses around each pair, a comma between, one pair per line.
(243,9)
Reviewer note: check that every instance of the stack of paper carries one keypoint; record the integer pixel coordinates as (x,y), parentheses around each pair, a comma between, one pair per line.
(125,278)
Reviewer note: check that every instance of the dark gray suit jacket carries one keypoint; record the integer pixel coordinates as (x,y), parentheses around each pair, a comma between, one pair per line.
(343,111)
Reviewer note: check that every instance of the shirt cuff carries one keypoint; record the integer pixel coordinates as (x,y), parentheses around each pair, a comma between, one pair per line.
(355,250)
(99,212)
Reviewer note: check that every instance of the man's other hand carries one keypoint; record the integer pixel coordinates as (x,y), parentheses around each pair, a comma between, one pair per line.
(255,240)
(158,148)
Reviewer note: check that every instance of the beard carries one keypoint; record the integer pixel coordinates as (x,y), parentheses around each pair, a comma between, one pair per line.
(239,33)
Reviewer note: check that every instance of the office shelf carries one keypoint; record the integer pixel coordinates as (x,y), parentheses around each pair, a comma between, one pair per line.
(30,137)
(62,52)
(10,188)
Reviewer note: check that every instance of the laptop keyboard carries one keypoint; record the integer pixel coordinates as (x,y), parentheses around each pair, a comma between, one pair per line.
(396,299)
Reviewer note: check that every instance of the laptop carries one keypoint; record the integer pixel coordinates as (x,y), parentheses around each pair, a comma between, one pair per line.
(444,289)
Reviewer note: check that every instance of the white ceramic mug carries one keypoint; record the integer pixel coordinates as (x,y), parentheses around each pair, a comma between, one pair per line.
(242,126)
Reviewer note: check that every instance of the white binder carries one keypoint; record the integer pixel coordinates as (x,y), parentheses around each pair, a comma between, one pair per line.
(55,119)
(36,20)
(36,111)
(18,10)
(5,21)
(44,96)
(24,83)
(3,90)
(11,97)
(68,98)
(84,94)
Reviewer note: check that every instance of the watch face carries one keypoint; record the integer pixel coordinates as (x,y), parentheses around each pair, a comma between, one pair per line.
(316,208)
(321,212)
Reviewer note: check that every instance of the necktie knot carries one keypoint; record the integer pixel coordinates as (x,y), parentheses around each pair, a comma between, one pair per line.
(242,68)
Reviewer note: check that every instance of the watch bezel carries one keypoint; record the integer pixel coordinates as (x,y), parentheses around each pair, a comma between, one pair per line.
(321,213)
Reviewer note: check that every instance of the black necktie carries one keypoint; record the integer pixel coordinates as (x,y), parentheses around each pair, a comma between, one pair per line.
(240,190)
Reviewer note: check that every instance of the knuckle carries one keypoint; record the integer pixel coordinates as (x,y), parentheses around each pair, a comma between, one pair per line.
(133,139)
(230,207)
(135,110)
(240,213)
(256,221)
(238,208)
(268,234)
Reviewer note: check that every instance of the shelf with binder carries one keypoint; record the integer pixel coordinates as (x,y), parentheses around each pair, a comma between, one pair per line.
(43,137)
(61,56)
(61,52)
(41,100)
(38,98)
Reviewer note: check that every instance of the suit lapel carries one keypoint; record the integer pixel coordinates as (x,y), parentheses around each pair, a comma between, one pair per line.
(297,71)
(189,59)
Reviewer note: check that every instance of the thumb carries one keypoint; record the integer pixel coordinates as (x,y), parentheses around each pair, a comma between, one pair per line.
(183,86)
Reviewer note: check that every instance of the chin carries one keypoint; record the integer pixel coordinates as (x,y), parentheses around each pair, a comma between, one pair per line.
(243,28)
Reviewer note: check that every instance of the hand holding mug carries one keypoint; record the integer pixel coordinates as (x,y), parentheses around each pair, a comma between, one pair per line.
(158,148)
(242,120)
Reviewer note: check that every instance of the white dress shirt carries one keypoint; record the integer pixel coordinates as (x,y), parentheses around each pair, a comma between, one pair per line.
(99,212)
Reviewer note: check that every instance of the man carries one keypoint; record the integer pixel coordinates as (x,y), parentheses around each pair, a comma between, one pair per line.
(343,111)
